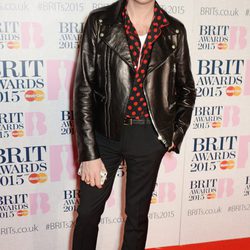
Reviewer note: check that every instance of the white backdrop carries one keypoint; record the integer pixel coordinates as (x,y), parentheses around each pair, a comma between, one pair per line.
(203,194)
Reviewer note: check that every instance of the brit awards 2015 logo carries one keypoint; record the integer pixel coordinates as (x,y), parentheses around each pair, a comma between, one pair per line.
(69,35)
(23,164)
(205,117)
(20,124)
(21,79)
(209,189)
(247,186)
(223,153)
(67,122)
(25,35)
(24,204)
(213,153)
(14,205)
(71,200)
(222,37)
(229,77)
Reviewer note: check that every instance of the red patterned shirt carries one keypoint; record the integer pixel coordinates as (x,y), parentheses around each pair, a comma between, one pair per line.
(137,105)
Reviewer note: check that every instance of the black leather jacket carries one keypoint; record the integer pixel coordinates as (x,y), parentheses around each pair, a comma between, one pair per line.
(104,77)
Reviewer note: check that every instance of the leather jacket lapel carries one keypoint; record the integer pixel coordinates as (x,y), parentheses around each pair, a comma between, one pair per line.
(162,49)
(115,38)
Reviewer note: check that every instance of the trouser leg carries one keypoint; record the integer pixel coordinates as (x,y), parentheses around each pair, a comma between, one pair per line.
(143,156)
(92,199)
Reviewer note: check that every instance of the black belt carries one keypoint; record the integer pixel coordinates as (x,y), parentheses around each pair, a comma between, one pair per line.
(131,121)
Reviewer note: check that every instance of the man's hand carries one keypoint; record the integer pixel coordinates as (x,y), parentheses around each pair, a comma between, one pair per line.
(91,172)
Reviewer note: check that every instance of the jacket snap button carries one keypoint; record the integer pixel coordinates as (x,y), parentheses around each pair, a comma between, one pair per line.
(177,31)
(101,34)
(173,46)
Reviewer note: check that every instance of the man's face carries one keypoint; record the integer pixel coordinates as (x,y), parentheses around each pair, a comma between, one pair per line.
(142,1)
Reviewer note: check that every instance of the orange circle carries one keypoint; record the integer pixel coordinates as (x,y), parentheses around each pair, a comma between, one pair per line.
(42,177)
(237,90)
(39,95)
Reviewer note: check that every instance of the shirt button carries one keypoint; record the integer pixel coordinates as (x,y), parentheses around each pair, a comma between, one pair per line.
(100,20)
(173,46)
(135,66)
(159,137)
(177,31)
(101,34)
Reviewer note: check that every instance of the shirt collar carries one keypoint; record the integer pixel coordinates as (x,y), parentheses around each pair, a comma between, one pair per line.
(159,20)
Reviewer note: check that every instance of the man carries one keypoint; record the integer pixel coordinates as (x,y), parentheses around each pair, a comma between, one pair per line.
(133,99)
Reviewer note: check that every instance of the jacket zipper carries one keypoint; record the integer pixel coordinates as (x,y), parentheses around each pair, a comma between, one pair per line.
(105,109)
(109,97)
(159,135)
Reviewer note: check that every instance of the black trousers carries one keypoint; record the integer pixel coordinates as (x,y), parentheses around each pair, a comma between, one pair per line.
(142,152)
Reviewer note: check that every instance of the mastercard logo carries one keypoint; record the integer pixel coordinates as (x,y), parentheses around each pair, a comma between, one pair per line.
(34,95)
(17,133)
(233,90)
(23,212)
(222,46)
(216,124)
(211,196)
(13,45)
(38,178)
(227,164)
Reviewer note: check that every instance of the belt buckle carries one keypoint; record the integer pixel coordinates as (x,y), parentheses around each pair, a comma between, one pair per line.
(130,121)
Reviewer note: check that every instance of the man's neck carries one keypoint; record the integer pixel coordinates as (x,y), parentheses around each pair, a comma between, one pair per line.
(139,10)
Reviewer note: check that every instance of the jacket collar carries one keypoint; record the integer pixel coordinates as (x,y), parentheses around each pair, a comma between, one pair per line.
(114,36)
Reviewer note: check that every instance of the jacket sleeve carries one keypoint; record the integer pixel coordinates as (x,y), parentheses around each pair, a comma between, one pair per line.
(83,94)
(185,91)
